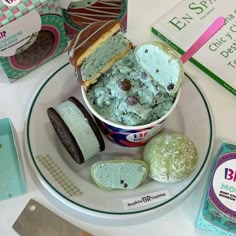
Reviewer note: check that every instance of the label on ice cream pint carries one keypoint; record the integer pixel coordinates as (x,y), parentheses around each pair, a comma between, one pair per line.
(144,135)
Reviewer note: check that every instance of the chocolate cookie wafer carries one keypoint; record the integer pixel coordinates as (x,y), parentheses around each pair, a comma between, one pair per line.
(38,51)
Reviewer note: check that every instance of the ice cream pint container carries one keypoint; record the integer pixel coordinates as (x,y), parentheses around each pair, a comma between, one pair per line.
(129,136)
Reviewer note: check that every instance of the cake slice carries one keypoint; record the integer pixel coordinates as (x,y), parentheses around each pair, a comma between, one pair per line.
(119,174)
(96,48)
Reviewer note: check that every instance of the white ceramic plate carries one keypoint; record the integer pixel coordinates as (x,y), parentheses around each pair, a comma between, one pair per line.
(191,117)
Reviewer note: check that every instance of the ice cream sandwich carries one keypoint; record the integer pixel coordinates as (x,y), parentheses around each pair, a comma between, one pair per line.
(76,130)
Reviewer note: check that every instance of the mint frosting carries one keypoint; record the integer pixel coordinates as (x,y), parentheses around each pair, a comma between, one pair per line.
(127,95)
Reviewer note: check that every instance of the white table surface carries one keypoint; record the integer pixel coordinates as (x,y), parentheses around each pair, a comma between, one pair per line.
(14,99)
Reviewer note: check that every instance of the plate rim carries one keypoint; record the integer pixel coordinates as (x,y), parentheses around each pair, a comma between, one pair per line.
(177,196)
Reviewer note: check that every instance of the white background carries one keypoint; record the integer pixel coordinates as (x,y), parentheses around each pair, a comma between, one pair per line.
(14,99)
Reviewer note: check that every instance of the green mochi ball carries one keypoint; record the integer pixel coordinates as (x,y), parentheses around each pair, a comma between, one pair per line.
(171,157)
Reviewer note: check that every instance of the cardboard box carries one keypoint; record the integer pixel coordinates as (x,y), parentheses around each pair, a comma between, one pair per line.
(12,182)
(31,33)
(78,14)
(218,210)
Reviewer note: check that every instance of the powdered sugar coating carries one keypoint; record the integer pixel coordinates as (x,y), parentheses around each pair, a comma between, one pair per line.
(171,157)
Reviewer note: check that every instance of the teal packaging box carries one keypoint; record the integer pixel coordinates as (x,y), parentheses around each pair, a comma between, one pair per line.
(79,14)
(11,177)
(31,33)
(218,210)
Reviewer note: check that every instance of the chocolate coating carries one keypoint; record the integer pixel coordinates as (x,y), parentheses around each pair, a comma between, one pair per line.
(86,38)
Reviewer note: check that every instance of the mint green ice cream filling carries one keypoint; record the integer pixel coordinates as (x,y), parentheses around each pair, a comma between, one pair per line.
(79,127)
(142,102)
(112,47)
(169,71)
(120,175)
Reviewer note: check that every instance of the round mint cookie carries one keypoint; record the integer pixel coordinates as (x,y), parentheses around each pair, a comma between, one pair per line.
(171,157)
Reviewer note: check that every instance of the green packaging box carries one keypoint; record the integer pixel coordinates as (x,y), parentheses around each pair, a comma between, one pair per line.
(31,33)
(78,14)
(11,177)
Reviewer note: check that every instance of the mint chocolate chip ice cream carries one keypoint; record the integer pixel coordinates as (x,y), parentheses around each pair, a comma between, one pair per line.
(127,95)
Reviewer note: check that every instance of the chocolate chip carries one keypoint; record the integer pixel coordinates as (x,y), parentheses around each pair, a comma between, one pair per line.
(122,181)
(132,100)
(125,185)
(0,145)
(141,84)
(157,70)
(143,75)
(146,51)
(125,84)
(171,86)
